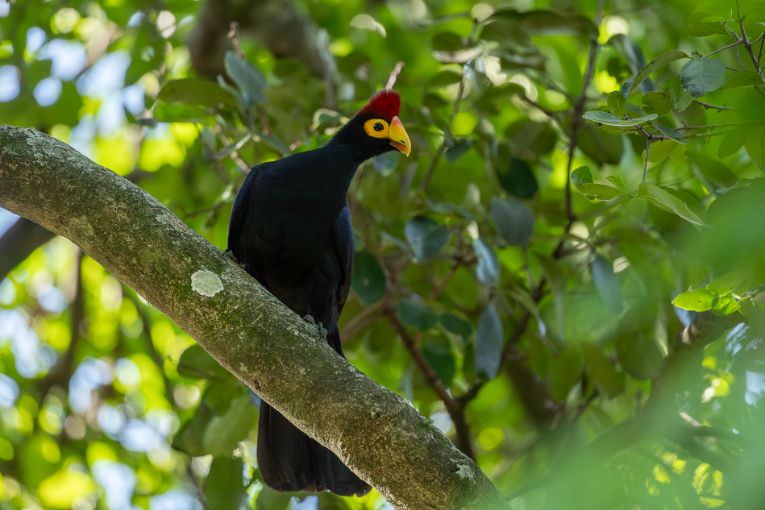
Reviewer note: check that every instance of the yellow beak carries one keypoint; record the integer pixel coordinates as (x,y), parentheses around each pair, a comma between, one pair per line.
(398,136)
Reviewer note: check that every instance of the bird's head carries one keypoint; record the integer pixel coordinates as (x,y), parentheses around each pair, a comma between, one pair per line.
(376,128)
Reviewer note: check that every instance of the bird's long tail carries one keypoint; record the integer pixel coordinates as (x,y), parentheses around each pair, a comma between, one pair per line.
(289,460)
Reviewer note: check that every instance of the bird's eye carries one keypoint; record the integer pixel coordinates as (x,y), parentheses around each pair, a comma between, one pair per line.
(376,128)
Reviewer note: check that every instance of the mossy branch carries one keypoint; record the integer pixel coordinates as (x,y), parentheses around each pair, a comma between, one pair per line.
(254,336)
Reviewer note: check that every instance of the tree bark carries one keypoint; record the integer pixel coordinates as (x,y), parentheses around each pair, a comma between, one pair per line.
(254,336)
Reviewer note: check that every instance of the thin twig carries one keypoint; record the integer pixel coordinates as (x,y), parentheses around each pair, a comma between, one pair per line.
(576,122)
(233,36)
(394,75)
(722,108)
(447,132)
(648,142)
(748,44)
(455,410)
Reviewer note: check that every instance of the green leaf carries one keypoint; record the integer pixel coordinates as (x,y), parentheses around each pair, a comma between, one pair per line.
(582,179)
(530,139)
(416,314)
(514,220)
(548,22)
(658,62)
(669,201)
(616,103)
(600,117)
(487,269)
(457,149)
(426,237)
(755,146)
(607,284)
(732,141)
(581,175)
(599,191)
(438,353)
(444,78)
(698,300)
(189,438)
(659,102)
(565,371)
(701,24)
(195,91)
(224,433)
(197,363)
(716,172)
(602,372)
(638,355)
(600,146)
(269,499)
(248,79)
(368,278)
(518,179)
(447,41)
(702,76)
(224,488)
(456,325)
(489,342)
(726,304)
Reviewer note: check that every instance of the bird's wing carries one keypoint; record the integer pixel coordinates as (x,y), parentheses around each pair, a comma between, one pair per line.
(342,233)
(239,210)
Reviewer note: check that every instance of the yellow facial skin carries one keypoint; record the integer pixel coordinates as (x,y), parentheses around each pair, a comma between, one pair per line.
(395,132)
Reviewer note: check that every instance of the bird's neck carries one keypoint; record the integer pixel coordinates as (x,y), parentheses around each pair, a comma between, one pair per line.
(324,186)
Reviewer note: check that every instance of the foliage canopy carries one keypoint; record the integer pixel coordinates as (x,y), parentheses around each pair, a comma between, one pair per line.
(566,276)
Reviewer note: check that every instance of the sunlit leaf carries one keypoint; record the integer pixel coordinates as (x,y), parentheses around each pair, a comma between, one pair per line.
(698,300)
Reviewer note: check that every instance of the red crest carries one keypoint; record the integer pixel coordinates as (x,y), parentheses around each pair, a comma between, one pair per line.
(384,104)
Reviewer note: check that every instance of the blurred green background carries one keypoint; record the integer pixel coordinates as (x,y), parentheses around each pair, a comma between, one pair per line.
(594,342)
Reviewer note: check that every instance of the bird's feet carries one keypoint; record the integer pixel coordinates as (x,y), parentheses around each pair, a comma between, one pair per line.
(230,254)
(318,325)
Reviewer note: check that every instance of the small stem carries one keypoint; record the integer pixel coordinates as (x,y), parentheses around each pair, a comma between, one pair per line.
(447,132)
(233,36)
(722,108)
(649,140)
(453,407)
(731,45)
(394,75)
(576,123)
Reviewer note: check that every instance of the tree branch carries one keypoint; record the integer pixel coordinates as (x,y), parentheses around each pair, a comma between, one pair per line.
(453,407)
(18,242)
(254,336)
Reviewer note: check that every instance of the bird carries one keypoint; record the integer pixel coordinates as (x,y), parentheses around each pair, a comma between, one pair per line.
(290,228)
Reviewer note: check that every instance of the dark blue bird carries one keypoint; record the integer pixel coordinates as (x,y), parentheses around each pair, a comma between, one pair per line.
(291,229)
